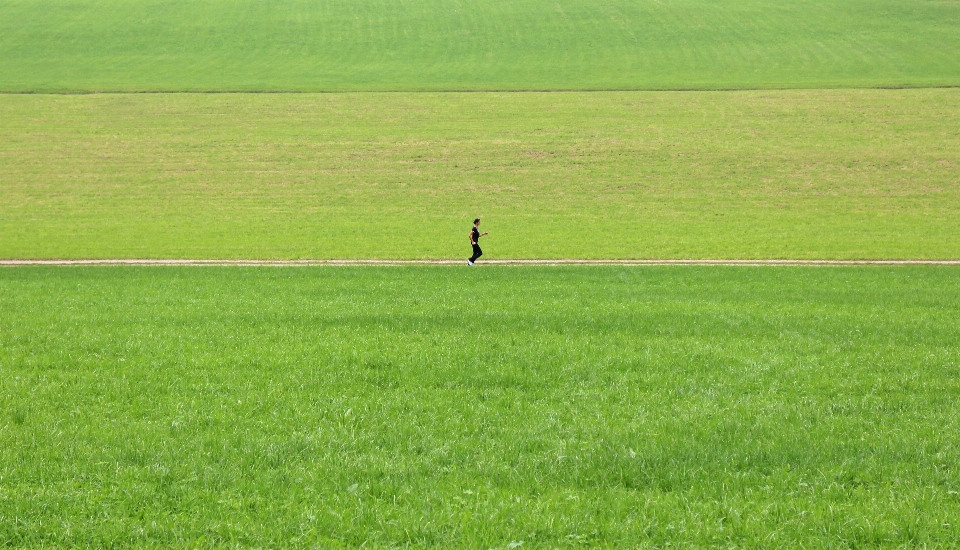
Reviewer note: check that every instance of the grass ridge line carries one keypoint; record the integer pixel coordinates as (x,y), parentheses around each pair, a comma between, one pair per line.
(516,262)
(481,90)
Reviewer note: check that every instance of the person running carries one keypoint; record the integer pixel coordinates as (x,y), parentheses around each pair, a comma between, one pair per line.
(475,235)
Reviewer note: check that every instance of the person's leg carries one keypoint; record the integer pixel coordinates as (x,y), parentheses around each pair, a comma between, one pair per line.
(476,253)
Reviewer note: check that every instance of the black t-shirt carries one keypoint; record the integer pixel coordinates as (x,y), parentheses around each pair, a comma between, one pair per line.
(475,234)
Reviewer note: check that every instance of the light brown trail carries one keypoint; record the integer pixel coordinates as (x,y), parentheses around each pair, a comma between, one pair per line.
(518,262)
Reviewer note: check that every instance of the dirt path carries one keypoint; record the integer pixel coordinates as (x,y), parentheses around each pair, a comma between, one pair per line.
(286,263)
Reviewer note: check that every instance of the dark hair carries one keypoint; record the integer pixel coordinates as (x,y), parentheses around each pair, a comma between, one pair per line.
(476,221)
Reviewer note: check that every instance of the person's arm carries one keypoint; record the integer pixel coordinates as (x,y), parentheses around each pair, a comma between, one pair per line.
(484,234)
(470,236)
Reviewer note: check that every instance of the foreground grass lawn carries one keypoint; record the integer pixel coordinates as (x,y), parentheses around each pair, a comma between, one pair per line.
(479,408)
(337,45)
(768,174)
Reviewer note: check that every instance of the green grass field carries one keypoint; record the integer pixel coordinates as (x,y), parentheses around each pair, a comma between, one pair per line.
(336,45)
(762,174)
(446,407)
(489,407)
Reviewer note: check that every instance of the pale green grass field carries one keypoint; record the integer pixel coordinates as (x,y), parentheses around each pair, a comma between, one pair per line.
(762,174)
(478,408)
(336,45)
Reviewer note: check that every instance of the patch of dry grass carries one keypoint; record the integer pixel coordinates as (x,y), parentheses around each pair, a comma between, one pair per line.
(779,174)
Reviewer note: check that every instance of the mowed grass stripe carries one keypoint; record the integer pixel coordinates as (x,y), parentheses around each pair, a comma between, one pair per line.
(839,174)
(600,406)
(343,45)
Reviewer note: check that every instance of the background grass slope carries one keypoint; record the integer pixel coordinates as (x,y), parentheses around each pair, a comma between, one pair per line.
(441,407)
(335,45)
(764,174)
